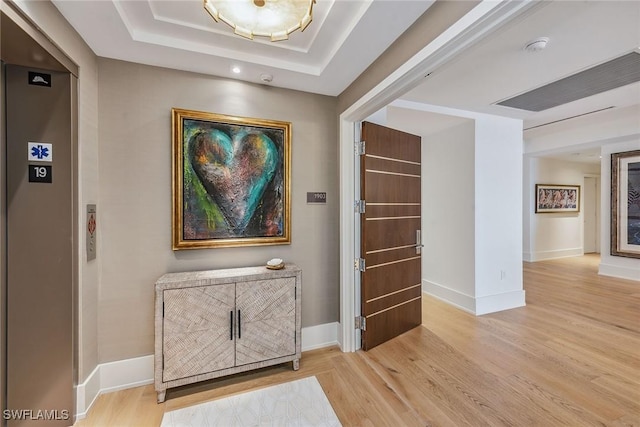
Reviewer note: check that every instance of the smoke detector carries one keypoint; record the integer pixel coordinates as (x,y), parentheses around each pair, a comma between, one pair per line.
(536,44)
(266,78)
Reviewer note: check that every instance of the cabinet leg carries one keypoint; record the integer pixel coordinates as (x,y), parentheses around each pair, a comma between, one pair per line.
(296,364)
(161,396)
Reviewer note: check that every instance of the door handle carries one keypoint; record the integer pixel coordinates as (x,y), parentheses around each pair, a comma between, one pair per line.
(239,325)
(419,244)
(231,325)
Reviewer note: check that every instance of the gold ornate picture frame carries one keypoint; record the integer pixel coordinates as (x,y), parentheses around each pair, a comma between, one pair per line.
(231,181)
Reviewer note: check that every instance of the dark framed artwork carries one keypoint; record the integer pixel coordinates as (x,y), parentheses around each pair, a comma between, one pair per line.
(231,181)
(625,204)
(553,198)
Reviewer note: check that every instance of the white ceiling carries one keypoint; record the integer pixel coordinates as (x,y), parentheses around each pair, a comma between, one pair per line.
(346,36)
(582,34)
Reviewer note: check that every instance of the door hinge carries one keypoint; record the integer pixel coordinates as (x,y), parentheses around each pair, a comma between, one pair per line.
(361,323)
(360,264)
(360,148)
(360,206)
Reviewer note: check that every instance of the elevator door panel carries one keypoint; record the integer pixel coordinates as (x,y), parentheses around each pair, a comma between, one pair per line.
(39,248)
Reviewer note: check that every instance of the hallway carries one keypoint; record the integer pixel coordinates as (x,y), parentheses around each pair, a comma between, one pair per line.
(570,357)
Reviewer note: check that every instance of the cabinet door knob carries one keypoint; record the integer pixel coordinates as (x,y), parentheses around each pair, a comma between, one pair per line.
(231,325)
(239,325)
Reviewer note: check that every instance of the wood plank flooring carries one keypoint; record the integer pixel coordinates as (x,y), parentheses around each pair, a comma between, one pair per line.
(571,357)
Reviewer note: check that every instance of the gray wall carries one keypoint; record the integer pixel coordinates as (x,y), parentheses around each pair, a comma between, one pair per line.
(135,104)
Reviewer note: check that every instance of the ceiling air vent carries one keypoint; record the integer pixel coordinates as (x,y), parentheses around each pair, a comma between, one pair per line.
(613,74)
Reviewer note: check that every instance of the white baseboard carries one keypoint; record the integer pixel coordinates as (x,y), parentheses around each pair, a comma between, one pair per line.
(320,336)
(87,392)
(475,305)
(450,296)
(113,376)
(126,373)
(500,302)
(628,273)
(138,371)
(557,253)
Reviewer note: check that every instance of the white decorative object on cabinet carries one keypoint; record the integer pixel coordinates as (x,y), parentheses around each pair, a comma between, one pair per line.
(220,322)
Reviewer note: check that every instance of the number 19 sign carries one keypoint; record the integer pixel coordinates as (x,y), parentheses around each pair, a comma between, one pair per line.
(40,173)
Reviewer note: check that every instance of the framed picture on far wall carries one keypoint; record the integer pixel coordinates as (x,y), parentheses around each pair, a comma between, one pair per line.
(554,198)
(625,204)
(231,181)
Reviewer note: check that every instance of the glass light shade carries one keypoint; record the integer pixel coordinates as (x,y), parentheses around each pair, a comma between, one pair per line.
(275,19)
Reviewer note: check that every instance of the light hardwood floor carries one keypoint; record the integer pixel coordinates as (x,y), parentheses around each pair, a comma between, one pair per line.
(571,357)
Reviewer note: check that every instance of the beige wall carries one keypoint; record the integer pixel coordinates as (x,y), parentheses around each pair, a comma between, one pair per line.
(56,28)
(430,25)
(135,194)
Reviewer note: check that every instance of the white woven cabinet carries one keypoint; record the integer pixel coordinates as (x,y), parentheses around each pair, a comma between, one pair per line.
(220,322)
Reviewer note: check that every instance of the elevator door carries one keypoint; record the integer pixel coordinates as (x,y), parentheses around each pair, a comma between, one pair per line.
(39,215)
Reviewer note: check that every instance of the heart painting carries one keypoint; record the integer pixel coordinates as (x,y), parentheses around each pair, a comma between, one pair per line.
(234,182)
(234,170)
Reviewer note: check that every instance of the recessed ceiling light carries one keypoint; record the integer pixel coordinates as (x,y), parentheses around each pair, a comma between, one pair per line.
(236,69)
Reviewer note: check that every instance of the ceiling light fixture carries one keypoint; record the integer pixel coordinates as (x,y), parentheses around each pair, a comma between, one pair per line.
(236,69)
(275,19)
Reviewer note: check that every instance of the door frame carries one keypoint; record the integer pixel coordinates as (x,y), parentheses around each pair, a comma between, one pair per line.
(487,16)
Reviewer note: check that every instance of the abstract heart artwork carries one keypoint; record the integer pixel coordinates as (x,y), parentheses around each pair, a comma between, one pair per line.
(231,180)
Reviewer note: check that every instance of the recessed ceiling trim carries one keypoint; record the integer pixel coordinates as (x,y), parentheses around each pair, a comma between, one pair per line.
(141,29)
(143,36)
(164,41)
(610,75)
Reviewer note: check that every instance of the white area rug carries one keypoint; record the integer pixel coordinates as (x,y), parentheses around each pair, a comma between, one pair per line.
(296,403)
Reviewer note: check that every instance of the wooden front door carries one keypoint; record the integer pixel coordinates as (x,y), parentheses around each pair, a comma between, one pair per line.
(390,226)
